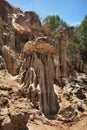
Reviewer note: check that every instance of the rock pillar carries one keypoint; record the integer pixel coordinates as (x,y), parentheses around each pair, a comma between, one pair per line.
(12,40)
(40,72)
(62,53)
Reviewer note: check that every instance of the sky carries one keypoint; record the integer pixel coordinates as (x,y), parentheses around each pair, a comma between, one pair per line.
(71,11)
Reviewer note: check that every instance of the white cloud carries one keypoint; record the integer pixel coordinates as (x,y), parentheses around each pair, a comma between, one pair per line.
(75,23)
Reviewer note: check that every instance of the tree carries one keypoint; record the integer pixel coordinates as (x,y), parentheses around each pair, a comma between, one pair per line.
(83,38)
(54,22)
(71,48)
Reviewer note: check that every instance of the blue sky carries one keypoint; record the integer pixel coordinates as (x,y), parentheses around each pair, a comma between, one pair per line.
(71,11)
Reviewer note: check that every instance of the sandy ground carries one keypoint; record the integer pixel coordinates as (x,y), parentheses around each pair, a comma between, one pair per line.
(81,124)
(38,125)
(78,125)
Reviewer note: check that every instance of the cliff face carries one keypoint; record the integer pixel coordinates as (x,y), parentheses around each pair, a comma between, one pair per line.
(1,31)
(5,9)
(18,27)
(29,20)
(44,59)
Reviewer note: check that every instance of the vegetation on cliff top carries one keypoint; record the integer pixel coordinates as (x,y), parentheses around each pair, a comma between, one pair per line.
(78,34)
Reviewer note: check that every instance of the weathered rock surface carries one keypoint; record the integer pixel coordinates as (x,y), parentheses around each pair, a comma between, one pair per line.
(11,60)
(14,114)
(29,20)
(7,9)
(67,115)
(74,96)
(18,27)
(37,77)
(42,45)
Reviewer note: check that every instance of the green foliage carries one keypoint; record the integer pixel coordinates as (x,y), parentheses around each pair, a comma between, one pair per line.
(55,35)
(63,23)
(83,38)
(77,35)
(54,22)
(83,30)
(71,48)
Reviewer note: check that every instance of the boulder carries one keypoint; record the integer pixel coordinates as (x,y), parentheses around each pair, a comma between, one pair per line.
(29,20)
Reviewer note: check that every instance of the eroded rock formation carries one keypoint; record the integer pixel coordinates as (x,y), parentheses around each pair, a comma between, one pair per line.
(45,64)
(39,74)
(11,60)
(18,27)
(42,64)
